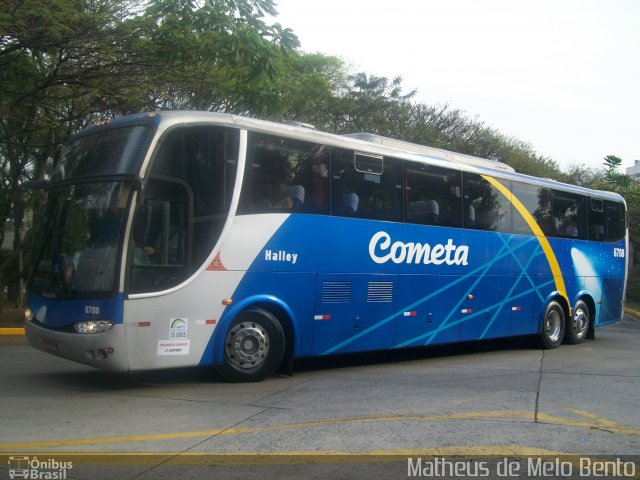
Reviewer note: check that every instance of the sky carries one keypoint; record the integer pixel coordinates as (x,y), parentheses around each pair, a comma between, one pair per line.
(561,75)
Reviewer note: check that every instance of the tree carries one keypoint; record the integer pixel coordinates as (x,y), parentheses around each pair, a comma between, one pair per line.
(584,176)
(311,88)
(611,163)
(625,186)
(216,55)
(66,63)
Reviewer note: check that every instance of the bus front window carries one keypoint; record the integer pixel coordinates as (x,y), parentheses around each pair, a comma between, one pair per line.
(186,200)
(79,240)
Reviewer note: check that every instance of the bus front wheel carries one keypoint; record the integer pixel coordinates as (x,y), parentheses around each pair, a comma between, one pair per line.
(580,323)
(553,326)
(253,347)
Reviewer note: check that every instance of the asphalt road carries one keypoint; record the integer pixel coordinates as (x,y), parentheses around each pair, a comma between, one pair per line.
(479,400)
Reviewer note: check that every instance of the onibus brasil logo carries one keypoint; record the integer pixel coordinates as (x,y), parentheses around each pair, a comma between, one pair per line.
(33,468)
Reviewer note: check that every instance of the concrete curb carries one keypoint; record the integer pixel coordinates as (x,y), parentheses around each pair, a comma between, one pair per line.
(635,313)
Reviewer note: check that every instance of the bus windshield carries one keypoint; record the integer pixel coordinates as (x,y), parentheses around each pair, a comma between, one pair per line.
(80,232)
(79,240)
(105,152)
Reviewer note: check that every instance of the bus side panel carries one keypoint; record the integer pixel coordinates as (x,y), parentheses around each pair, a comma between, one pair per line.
(493,296)
(530,285)
(175,329)
(524,305)
(430,310)
(276,292)
(612,306)
(354,313)
(602,267)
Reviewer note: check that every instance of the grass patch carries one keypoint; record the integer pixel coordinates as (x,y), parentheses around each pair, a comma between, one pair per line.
(633,289)
(633,305)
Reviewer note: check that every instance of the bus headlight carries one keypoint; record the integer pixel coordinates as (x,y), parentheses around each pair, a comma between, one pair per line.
(93,326)
(28,315)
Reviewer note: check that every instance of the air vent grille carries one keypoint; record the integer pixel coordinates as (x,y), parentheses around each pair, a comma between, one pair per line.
(336,292)
(380,292)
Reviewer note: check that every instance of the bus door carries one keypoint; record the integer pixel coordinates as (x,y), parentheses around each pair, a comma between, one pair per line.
(429,310)
(354,313)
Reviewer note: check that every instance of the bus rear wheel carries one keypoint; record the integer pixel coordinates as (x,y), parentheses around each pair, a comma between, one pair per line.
(553,326)
(579,325)
(253,347)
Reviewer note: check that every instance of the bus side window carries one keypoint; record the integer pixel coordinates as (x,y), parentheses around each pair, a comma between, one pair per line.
(597,221)
(531,197)
(485,207)
(616,223)
(569,215)
(284,174)
(366,186)
(433,195)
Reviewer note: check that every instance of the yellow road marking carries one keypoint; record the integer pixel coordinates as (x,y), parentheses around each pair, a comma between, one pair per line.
(526,416)
(298,457)
(11,331)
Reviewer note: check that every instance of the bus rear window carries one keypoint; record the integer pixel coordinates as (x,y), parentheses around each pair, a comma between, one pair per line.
(616,225)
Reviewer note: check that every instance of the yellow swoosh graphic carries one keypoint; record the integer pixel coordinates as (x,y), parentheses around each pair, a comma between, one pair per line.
(537,231)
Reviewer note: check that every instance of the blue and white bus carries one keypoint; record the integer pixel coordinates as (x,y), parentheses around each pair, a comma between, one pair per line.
(173,239)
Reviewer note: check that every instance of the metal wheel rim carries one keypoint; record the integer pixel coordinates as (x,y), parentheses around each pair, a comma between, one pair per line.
(553,326)
(580,322)
(247,345)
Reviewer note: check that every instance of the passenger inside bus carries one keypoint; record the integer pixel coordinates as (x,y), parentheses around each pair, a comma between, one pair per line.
(276,196)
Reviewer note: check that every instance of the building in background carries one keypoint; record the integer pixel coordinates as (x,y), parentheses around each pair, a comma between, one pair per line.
(634,172)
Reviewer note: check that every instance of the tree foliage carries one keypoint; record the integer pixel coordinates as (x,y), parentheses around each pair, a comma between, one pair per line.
(66,63)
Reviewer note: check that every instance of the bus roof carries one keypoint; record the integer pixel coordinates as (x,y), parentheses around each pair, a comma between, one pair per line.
(363,142)
(432,151)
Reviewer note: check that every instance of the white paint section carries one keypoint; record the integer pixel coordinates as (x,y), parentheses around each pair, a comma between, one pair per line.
(584,268)
(200,299)
(248,237)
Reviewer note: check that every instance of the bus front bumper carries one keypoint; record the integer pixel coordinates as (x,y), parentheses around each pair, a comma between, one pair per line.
(106,351)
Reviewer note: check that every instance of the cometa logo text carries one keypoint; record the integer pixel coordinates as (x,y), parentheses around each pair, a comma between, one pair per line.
(381,250)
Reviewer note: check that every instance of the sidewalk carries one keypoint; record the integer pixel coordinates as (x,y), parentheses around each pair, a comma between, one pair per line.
(12,321)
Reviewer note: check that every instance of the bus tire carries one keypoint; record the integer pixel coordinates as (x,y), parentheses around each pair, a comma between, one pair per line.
(579,325)
(553,326)
(253,347)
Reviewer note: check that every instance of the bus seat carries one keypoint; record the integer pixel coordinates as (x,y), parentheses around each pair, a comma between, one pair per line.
(425,211)
(570,230)
(350,203)
(296,193)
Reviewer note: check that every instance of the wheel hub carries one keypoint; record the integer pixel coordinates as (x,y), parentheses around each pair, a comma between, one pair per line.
(580,322)
(553,326)
(247,345)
